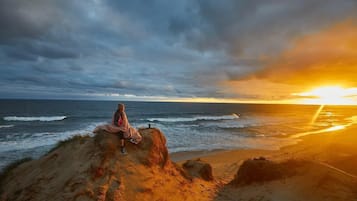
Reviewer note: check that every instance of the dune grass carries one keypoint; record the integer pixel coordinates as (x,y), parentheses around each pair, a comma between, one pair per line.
(67,141)
(7,170)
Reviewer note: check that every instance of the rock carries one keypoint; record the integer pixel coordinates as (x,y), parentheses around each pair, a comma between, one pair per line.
(262,170)
(153,146)
(150,151)
(198,169)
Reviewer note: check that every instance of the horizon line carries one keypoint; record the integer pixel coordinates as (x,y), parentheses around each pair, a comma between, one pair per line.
(180,101)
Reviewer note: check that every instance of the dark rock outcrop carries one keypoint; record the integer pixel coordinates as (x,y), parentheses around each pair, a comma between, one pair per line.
(198,169)
(262,170)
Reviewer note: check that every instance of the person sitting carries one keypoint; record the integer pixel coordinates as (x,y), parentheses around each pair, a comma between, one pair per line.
(118,120)
(121,126)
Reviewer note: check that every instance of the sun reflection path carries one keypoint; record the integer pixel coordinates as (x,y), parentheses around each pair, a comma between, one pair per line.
(353,121)
(317,113)
(333,128)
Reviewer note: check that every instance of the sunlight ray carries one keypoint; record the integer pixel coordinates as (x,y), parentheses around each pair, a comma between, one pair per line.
(316,115)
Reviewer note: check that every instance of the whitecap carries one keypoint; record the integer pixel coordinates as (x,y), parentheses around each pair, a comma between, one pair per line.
(197,118)
(40,118)
(44,138)
(6,126)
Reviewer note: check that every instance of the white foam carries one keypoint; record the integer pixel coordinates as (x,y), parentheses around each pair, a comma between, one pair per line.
(6,126)
(45,138)
(41,118)
(233,126)
(197,118)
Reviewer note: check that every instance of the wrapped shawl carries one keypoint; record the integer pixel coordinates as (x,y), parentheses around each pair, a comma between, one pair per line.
(129,132)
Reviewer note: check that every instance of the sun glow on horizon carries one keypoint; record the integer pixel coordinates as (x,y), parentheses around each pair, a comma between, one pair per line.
(330,95)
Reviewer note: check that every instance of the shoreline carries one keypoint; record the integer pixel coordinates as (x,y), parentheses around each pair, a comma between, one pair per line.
(299,139)
(330,147)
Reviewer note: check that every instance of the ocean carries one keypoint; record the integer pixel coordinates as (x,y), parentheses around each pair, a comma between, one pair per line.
(29,128)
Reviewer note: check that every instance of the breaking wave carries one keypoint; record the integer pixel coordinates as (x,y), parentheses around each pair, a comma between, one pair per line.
(6,126)
(197,118)
(42,118)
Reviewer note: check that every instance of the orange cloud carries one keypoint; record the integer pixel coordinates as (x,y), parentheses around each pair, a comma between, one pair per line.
(327,57)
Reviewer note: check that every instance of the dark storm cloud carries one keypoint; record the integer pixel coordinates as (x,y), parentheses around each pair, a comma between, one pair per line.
(16,22)
(150,48)
(254,27)
(32,51)
(28,19)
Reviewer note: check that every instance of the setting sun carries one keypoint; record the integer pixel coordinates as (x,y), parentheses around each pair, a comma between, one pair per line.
(329,95)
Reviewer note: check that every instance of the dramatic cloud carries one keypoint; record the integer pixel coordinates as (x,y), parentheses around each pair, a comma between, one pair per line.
(173,49)
(325,57)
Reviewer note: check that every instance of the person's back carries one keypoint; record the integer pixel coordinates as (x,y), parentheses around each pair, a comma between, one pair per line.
(117,119)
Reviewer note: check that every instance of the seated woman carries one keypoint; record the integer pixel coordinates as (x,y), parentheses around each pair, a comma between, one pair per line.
(120,125)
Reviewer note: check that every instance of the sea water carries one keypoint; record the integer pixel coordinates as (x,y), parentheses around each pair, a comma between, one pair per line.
(29,128)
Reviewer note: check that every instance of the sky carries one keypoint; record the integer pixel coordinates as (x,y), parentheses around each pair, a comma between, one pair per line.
(188,50)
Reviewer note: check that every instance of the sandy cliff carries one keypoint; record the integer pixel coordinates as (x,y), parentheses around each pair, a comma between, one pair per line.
(92,168)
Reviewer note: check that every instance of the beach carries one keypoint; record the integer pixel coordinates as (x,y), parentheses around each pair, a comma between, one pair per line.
(330,176)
